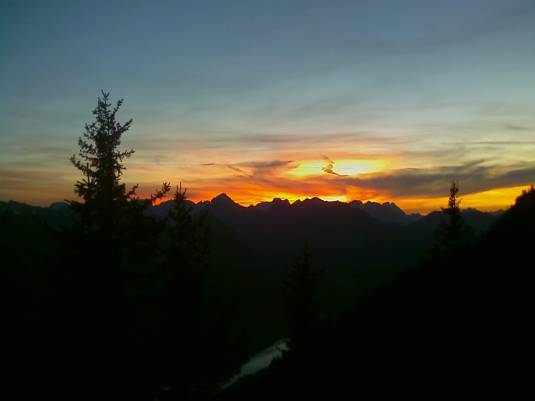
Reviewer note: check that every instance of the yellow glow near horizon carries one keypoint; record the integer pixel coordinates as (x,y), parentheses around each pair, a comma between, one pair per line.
(289,197)
(335,198)
(491,200)
(307,178)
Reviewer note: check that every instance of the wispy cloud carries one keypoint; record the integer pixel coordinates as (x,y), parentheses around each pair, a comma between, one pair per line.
(473,177)
(329,167)
(255,169)
(35,186)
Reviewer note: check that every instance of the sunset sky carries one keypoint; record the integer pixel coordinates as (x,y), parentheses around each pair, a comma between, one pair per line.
(371,100)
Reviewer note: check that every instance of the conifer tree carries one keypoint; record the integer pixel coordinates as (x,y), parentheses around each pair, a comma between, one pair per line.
(300,298)
(188,237)
(103,198)
(183,267)
(111,239)
(452,233)
(109,217)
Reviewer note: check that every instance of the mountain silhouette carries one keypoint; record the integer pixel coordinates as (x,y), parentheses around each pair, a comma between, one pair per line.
(457,324)
(387,212)
(223,200)
(252,247)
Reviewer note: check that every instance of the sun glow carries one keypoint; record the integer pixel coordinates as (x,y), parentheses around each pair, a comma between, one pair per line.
(335,198)
(267,197)
(490,200)
(159,201)
(495,199)
(337,167)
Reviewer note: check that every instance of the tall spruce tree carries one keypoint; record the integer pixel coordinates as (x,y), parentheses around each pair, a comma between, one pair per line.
(184,263)
(109,218)
(453,233)
(135,281)
(110,241)
(103,197)
(300,299)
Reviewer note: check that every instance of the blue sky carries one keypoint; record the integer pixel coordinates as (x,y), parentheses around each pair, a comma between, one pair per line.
(427,85)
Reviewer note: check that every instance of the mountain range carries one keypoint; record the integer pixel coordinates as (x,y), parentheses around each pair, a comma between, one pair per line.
(387,212)
(358,246)
(455,323)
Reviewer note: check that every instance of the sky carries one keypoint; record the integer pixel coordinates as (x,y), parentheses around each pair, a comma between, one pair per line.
(370,100)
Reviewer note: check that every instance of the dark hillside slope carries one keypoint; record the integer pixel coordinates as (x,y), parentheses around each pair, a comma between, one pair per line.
(461,325)
(251,249)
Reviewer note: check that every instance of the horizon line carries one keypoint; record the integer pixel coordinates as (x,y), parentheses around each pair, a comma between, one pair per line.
(246,205)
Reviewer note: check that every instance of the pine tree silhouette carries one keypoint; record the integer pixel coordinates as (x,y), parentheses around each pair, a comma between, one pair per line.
(196,350)
(184,265)
(300,298)
(104,199)
(110,241)
(188,237)
(452,233)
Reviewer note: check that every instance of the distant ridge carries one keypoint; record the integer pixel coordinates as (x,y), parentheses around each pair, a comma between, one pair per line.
(224,200)
(387,212)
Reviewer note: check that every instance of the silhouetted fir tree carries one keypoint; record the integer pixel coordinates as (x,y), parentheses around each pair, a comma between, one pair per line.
(111,240)
(183,266)
(131,321)
(104,199)
(197,350)
(300,299)
(452,233)
(188,238)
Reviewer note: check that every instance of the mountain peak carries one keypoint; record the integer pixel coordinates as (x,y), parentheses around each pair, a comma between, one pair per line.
(223,199)
(221,196)
(387,212)
(314,201)
(280,202)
